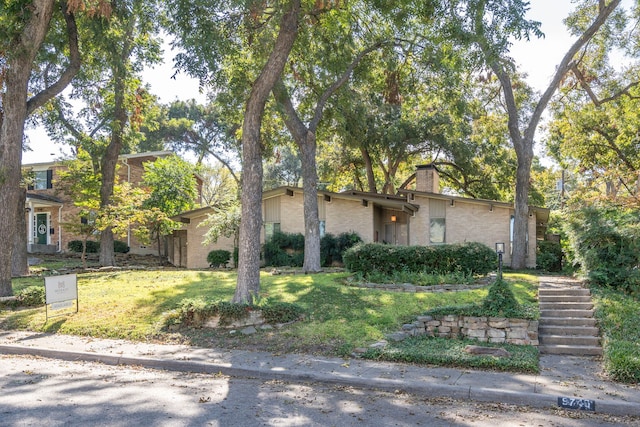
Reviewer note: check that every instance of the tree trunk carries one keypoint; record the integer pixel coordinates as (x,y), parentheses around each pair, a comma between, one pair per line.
(110,159)
(368,164)
(248,284)
(19,262)
(521,216)
(311,217)
(19,61)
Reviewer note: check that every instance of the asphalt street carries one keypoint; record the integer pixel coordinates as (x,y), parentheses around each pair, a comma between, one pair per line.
(38,391)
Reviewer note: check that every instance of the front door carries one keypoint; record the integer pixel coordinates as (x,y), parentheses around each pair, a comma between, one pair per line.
(42,229)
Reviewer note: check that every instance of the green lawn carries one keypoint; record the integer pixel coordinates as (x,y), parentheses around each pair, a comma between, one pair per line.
(130,304)
(617,315)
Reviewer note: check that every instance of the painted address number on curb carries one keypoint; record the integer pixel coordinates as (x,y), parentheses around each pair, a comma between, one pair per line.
(573,403)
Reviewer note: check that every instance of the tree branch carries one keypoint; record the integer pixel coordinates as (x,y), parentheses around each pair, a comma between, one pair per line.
(567,62)
(594,98)
(72,69)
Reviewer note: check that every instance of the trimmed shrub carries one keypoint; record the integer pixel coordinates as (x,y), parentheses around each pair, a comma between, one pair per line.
(120,247)
(467,258)
(549,256)
(218,258)
(76,246)
(500,301)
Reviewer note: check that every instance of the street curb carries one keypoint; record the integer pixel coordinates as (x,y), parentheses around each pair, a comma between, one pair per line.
(469,393)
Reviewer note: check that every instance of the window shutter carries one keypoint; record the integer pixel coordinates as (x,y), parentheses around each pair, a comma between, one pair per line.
(49,178)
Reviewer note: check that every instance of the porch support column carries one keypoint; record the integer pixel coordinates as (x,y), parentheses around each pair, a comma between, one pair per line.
(60,228)
(30,223)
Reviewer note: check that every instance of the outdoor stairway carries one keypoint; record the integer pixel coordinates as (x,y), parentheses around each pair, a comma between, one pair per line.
(567,325)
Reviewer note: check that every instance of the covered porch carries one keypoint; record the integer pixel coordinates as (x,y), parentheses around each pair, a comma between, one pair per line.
(44,217)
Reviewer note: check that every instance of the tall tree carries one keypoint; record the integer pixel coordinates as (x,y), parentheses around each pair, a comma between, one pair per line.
(23,30)
(489,26)
(305,137)
(240,30)
(112,100)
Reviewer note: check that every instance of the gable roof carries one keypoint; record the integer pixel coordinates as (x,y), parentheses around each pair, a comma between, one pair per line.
(44,199)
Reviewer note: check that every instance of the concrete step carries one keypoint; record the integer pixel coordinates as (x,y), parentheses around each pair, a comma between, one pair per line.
(566,321)
(573,350)
(589,331)
(565,305)
(565,313)
(563,291)
(568,340)
(564,298)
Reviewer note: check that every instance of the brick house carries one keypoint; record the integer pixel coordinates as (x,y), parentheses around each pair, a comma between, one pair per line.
(47,208)
(419,216)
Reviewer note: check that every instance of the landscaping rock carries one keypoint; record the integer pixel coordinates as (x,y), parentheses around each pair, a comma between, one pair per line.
(249,331)
(476,349)
(397,336)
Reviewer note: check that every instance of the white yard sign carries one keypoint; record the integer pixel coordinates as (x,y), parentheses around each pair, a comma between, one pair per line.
(60,291)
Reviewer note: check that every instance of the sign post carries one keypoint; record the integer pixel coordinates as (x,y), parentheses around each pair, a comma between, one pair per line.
(500,251)
(60,292)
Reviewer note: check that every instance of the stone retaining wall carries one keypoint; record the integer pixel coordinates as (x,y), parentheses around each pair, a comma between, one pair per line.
(483,329)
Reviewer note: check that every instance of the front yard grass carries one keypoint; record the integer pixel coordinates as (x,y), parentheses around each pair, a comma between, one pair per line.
(617,315)
(131,304)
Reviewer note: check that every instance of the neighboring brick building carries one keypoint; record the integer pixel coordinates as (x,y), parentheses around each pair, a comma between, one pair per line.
(421,216)
(47,208)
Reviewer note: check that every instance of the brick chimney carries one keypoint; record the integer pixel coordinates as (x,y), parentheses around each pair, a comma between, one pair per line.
(427,179)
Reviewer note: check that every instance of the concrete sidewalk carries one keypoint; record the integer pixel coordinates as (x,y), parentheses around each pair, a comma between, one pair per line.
(570,377)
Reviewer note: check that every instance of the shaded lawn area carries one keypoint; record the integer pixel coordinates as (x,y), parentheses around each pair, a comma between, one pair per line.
(130,305)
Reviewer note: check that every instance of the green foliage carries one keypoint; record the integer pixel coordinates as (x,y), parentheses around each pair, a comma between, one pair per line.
(287,249)
(218,258)
(284,249)
(173,190)
(333,247)
(29,296)
(500,302)
(194,311)
(77,245)
(617,316)
(120,247)
(549,256)
(448,352)
(173,185)
(280,312)
(32,295)
(468,258)
(93,247)
(605,244)
(421,279)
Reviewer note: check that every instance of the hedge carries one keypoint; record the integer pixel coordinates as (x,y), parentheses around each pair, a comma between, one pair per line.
(94,247)
(218,258)
(469,258)
(287,249)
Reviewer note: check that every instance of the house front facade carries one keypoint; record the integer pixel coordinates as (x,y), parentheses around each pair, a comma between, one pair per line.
(418,216)
(47,209)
